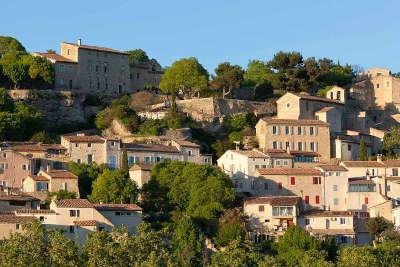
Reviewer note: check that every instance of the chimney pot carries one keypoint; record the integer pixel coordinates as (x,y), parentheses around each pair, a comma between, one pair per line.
(79,41)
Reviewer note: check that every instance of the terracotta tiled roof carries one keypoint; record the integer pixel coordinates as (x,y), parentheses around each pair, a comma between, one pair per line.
(151,147)
(7,218)
(98,48)
(37,147)
(84,138)
(274,201)
(294,171)
(363,164)
(117,207)
(55,57)
(38,178)
(186,143)
(20,197)
(251,153)
(61,174)
(326,213)
(73,203)
(319,99)
(278,153)
(34,211)
(304,153)
(275,120)
(141,166)
(392,163)
(86,223)
(328,168)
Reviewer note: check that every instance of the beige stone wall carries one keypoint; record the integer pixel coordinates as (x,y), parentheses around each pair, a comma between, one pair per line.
(18,167)
(7,229)
(336,93)
(303,187)
(383,209)
(29,185)
(60,184)
(140,177)
(335,190)
(288,107)
(356,200)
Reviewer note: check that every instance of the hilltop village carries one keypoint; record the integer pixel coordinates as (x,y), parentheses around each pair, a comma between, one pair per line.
(94,139)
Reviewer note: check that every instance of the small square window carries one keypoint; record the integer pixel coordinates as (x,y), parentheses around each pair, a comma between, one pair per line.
(89,144)
(260,208)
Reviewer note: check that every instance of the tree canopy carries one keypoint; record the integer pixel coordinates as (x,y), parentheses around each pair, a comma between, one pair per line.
(228,77)
(137,56)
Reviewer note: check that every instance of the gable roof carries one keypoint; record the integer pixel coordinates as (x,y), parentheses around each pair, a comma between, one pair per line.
(273,200)
(54,57)
(61,174)
(38,178)
(84,138)
(73,203)
(10,218)
(98,48)
(85,223)
(151,147)
(331,167)
(286,171)
(251,153)
(317,98)
(301,122)
(360,164)
(117,207)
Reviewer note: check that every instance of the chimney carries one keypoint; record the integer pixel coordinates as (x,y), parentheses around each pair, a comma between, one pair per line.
(237,143)
(79,41)
(379,158)
(48,168)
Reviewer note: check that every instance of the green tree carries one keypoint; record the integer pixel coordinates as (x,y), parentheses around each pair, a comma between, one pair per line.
(391,141)
(62,251)
(231,227)
(362,151)
(263,91)
(63,194)
(236,254)
(16,72)
(124,160)
(6,103)
(113,186)
(188,243)
(42,137)
(186,76)
(10,45)
(228,78)
(356,256)
(258,72)
(86,173)
(377,225)
(137,56)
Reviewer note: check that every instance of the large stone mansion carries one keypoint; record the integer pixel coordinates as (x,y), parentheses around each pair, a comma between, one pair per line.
(100,70)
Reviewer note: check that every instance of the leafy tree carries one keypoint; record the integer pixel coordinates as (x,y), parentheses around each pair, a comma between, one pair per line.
(62,251)
(63,194)
(388,253)
(6,103)
(377,225)
(124,160)
(187,243)
(228,77)
(391,141)
(258,72)
(356,256)
(231,227)
(152,127)
(137,55)
(362,151)
(114,186)
(86,173)
(236,254)
(17,72)
(220,146)
(263,91)
(186,76)
(42,137)
(10,45)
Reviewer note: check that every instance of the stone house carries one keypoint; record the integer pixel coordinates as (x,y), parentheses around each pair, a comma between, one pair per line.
(50,181)
(140,173)
(305,183)
(337,93)
(11,224)
(269,217)
(10,200)
(302,135)
(364,168)
(145,74)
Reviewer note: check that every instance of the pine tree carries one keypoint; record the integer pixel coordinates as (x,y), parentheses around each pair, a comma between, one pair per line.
(125,164)
(362,151)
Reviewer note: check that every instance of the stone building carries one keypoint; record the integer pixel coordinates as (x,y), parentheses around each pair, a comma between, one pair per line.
(100,70)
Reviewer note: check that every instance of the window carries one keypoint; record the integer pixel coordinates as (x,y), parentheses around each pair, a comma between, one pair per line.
(265,186)
(331,95)
(335,201)
(307,199)
(348,147)
(68,51)
(72,213)
(334,187)
(287,105)
(282,211)
(71,229)
(292,180)
(17,226)
(287,131)
(256,167)
(316,180)
(260,208)
(366,201)
(112,143)
(300,146)
(285,163)
(342,220)
(41,218)
(274,145)
(274,130)
(312,146)
(338,95)
(395,172)
(89,158)
(299,130)
(76,144)
(24,167)
(316,199)
(311,130)
(4,155)
(307,221)
(280,185)
(137,76)
(89,145)
(117,213)
(64,186)
(287,145)
(377,85)
(189,152)
(343,239)
(112,161)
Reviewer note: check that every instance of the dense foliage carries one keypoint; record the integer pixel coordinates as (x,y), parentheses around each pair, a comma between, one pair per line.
(391,142)
(137,56)
(87,174)
(228,77)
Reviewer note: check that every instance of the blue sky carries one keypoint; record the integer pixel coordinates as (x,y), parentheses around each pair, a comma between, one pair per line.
(361,32)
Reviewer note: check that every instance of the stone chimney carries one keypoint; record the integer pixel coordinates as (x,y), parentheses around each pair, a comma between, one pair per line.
(79,42)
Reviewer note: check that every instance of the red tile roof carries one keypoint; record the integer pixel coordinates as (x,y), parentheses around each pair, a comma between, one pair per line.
(117,207)
(392,163)
(326,213)
(275,120)
(273,200)
(86,223)
(38,178)
(294,171)
(98,48)
(12,219)
(363,164)
(317,98)
(84,138)
(73,203)
(56,57)
(328,168)
(278,153)
(186,143)
(33,211)
(61,174)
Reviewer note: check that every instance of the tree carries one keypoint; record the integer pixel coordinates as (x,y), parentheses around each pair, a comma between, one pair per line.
(124,160)
(86,173)
(377,225)
(186,76)
(63,194)
(258,72)
(263,91)
(137,56)
(42,137)
(62,251)
(228,77)
(362,151)
(17,72)
(356,256)
(391,141)
(113,186)
(188,243)
(231,227)
(236,254)
(6,103)
(10,45)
